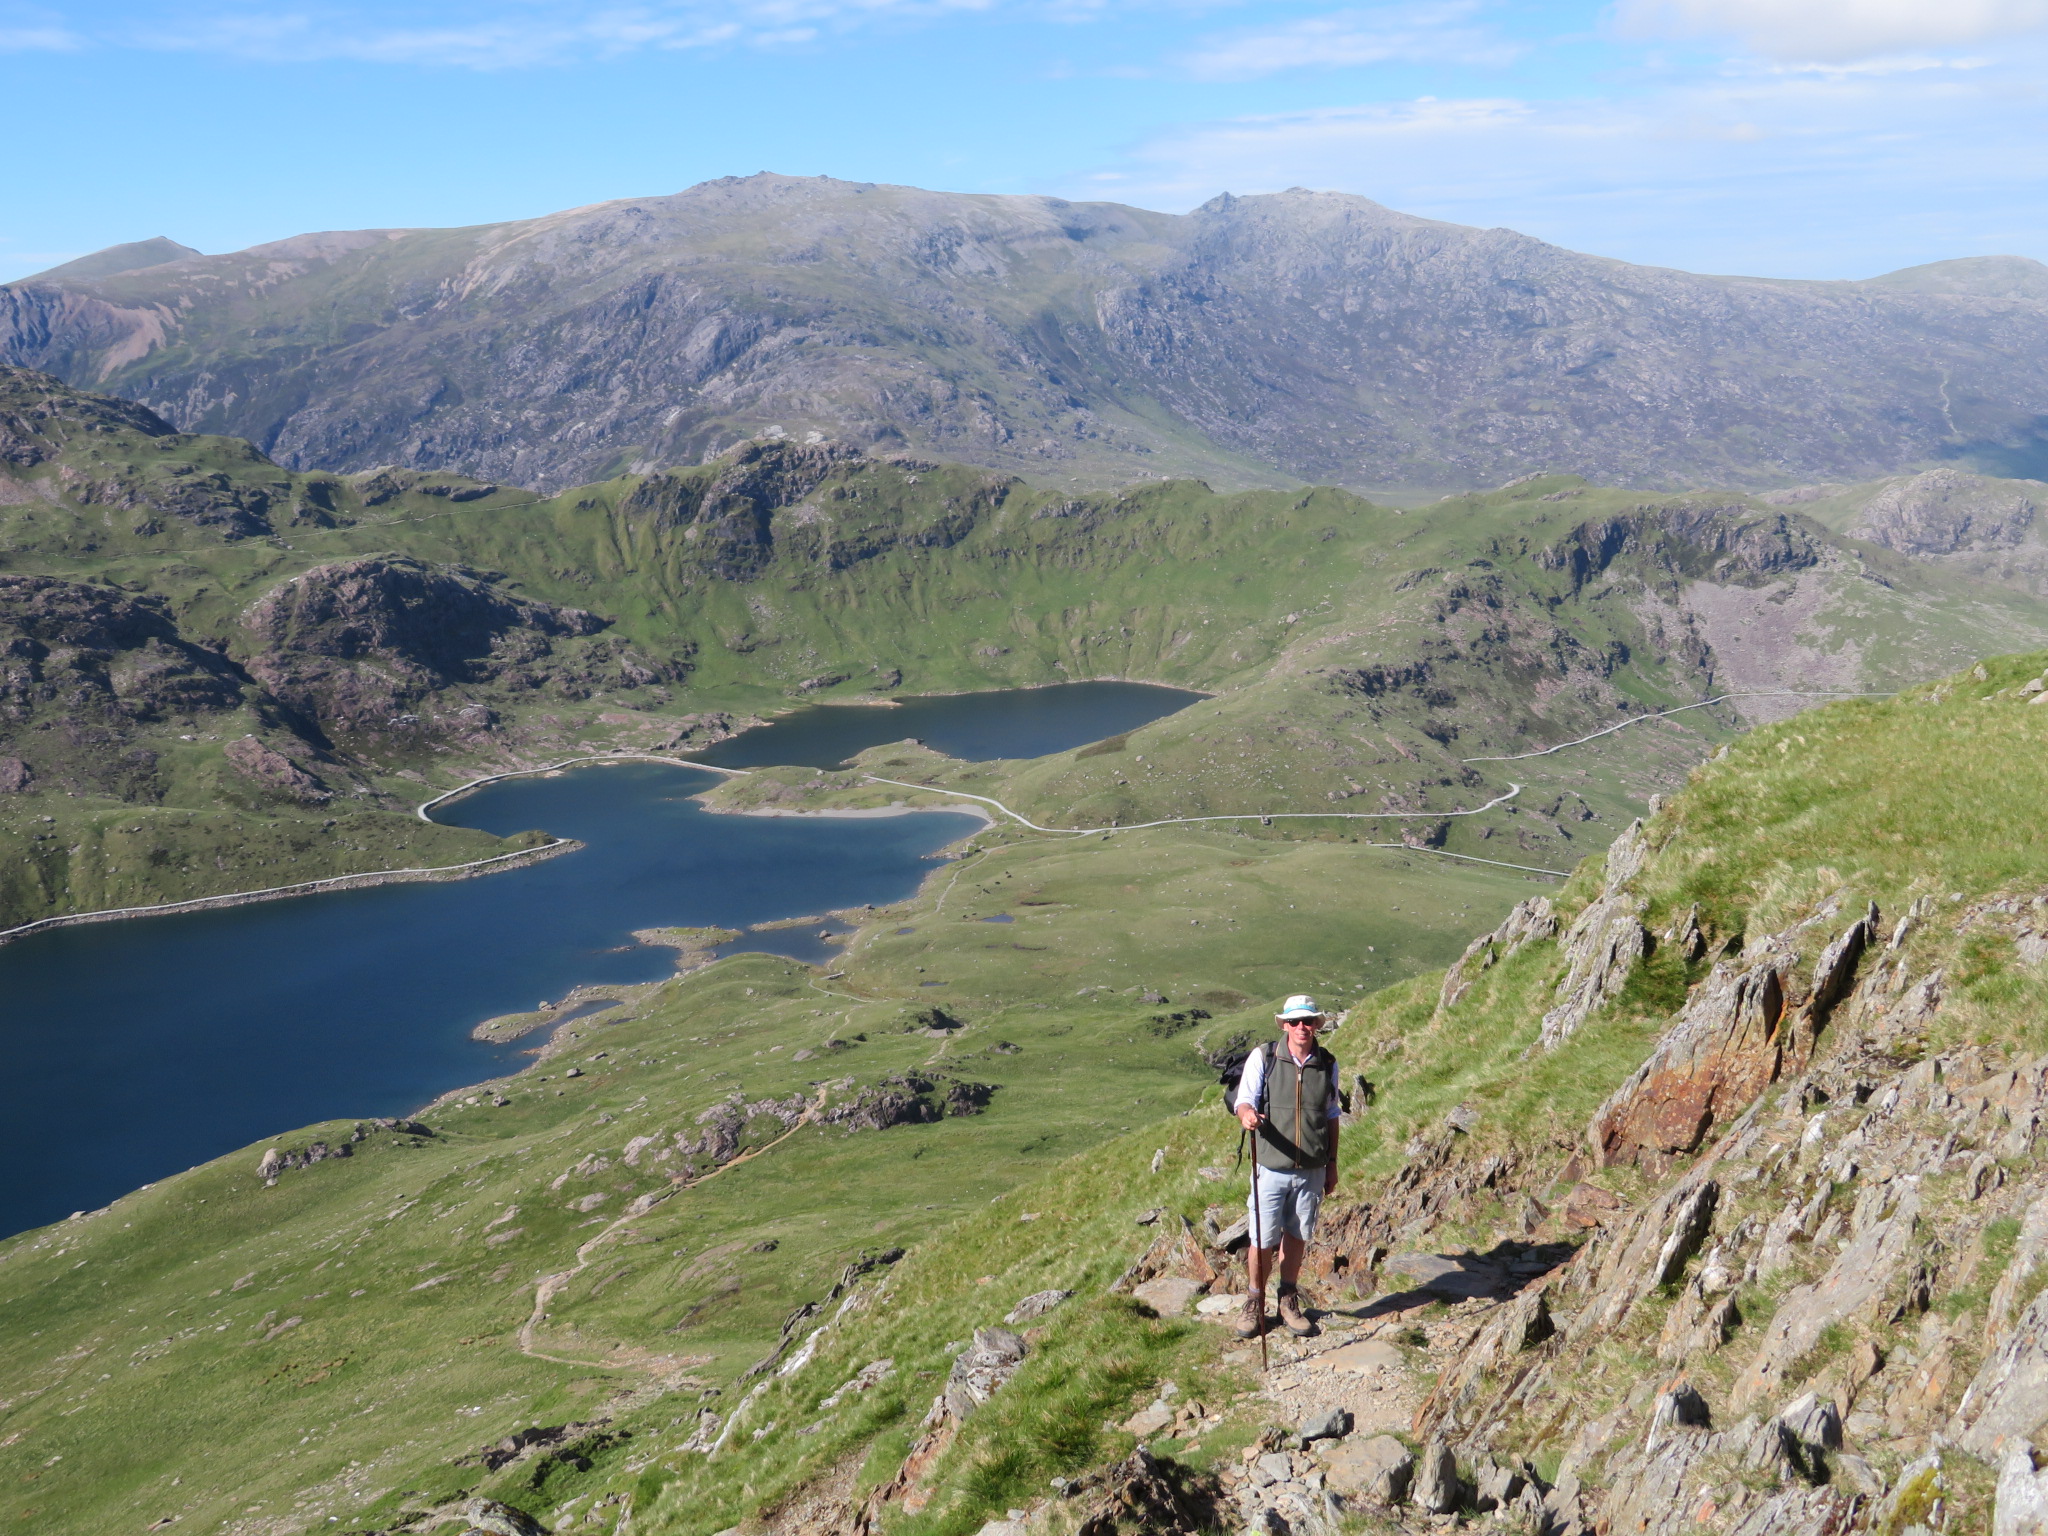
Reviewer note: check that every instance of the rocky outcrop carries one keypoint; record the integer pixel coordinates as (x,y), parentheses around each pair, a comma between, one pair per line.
(1809,1278)
(39,412)
(1741,1029)
(275,772)
(91,676)
(909,1098)
(1730,545)
(355,644)
(1603,944)
(1944,511)
(1530,921)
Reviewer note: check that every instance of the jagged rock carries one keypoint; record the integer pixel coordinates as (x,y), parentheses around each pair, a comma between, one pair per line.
(1600,949)
(1036,1305)
(1626,856)
(1497,1486)
(1797,1439)
(2029,1254)
(15,776)
(1530,921)
(1652,1247)
(1376,1470)
(1859,1275)
(1143,1495)
(1436,1487)
(1722,1050)
(1685,937)
(2007,1401)
(1680,1407)
(1688,1230)
(1697,1326)
(982,1368)
(2022,1501)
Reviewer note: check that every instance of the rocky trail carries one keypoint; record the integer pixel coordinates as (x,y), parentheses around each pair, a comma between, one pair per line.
(1793,1278)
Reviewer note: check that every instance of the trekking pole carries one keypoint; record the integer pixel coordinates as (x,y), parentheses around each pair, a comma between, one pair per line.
(1258,1247)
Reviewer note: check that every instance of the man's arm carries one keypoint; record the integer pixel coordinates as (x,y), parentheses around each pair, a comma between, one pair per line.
(1248,1083)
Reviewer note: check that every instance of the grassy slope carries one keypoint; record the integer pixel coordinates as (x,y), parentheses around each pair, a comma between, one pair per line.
(359,1409)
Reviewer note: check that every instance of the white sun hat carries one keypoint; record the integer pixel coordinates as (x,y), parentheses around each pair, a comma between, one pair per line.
(1300,1006)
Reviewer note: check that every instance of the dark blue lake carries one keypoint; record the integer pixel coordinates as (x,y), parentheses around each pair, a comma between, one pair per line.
(975,727)
(138,1048)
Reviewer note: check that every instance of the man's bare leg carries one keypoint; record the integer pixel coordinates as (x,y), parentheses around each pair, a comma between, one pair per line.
(1292,1251)
(1258,1264)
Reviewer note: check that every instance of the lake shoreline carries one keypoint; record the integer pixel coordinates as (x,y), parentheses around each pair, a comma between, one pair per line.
(519,858)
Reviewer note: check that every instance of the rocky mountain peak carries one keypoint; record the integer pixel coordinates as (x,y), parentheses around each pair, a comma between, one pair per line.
(1292,335)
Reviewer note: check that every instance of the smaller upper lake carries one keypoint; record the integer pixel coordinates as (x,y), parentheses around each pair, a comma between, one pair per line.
(1011,722)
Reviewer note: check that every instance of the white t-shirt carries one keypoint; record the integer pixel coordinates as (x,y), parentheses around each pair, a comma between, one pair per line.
(1254,1079)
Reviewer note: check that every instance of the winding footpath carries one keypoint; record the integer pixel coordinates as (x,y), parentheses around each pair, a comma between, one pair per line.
(563,844)
(551,1286)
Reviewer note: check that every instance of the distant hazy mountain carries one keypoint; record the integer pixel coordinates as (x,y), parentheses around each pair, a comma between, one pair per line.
(135,256)
(1303,335)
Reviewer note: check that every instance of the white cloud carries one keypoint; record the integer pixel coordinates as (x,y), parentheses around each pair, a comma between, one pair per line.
(501,37)
(1430,34)
(1835,30)
(38,40)
(1780,173)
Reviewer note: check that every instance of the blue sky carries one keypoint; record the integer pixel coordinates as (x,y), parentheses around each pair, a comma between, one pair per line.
(1790,138)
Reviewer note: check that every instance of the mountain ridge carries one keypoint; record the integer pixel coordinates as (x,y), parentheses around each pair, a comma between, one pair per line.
(1255,340)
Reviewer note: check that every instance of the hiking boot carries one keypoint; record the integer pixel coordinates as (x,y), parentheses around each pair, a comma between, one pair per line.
(1251,1319)
(1296,1320)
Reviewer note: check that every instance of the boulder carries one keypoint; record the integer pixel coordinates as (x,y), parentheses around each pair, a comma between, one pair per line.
(2022,1504)
(499,1519)
(982,1368)
(1330,1424)
(1169,1295)
(1153,1419)
(1377,1470)
(1436,1479)
(1036,1305)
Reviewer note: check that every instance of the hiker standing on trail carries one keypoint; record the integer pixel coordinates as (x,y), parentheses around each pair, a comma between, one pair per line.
(1287,1098)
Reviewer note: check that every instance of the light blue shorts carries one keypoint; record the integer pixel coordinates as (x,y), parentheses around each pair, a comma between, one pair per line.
(1287,1206)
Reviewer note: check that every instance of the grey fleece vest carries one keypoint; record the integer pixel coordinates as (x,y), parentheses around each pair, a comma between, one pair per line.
(1296,1134)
